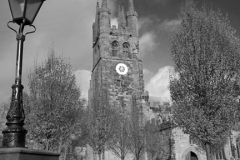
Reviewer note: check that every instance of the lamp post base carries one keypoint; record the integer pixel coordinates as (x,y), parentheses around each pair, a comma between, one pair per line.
(14,136)
(27,154)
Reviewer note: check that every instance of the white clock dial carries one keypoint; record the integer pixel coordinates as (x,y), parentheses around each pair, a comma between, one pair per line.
(122,69)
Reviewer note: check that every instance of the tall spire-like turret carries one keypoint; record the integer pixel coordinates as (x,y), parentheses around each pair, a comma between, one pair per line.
(104,3)
(123,17)
(95,25)
(132,18)
(97,10)
(97,3)
(131,6)
(119,16)
(131,10)
(104,17)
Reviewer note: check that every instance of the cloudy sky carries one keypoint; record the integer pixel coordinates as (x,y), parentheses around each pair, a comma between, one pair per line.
(67,25)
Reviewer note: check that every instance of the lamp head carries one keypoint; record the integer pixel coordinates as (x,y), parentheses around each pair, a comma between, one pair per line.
(24,10)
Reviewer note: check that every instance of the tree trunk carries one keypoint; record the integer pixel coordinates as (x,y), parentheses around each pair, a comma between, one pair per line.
(122,157)
(95,155)
(65,152)
(208,151)
(103,154)
(47,145)
(122,153)
(60,146)
(137,157)
(99,156)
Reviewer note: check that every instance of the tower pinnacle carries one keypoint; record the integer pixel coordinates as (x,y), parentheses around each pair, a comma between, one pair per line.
(123,16)
(119,16)
(131,6)
(97,7)
(132,18)
(97,3)
(104,3)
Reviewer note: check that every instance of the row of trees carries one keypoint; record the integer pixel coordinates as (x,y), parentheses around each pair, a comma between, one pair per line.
(205,87)
(110,129)
(57,120)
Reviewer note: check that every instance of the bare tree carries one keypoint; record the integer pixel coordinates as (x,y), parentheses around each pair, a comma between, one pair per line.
(137,131)
(55,107)
(4,107)
(3,113)
(153,139)
(120,142)
(101,121)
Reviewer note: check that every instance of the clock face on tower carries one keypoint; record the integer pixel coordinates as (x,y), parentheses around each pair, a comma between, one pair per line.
(122,69)
(122,77)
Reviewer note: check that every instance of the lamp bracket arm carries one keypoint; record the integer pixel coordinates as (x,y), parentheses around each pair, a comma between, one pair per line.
(31,31)
(11,27)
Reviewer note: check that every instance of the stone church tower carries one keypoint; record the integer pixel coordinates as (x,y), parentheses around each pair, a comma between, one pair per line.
(116,65)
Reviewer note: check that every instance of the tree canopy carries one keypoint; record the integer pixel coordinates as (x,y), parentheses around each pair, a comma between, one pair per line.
(205,88)
(100,122)
(119,143)
(137,130)
(54,106)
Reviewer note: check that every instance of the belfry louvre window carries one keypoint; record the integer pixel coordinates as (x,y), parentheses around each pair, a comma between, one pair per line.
(126,50)
(115,48)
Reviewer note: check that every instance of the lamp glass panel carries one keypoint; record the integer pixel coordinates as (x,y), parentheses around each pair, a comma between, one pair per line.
(33,7)
(17,7)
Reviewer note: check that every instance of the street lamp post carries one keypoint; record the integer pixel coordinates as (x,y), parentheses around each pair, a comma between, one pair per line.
(23,13)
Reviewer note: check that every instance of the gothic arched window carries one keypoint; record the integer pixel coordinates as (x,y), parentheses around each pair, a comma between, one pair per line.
(220,155)
(238,148)
(115,48)
(126,50)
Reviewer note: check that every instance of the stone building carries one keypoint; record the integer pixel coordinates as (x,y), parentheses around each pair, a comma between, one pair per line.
(181,147)
(114,47)
(117,67)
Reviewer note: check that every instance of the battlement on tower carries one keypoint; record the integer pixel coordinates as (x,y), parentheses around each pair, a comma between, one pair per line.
(127,22)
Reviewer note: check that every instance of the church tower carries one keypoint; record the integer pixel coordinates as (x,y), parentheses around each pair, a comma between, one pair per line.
(116,65)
